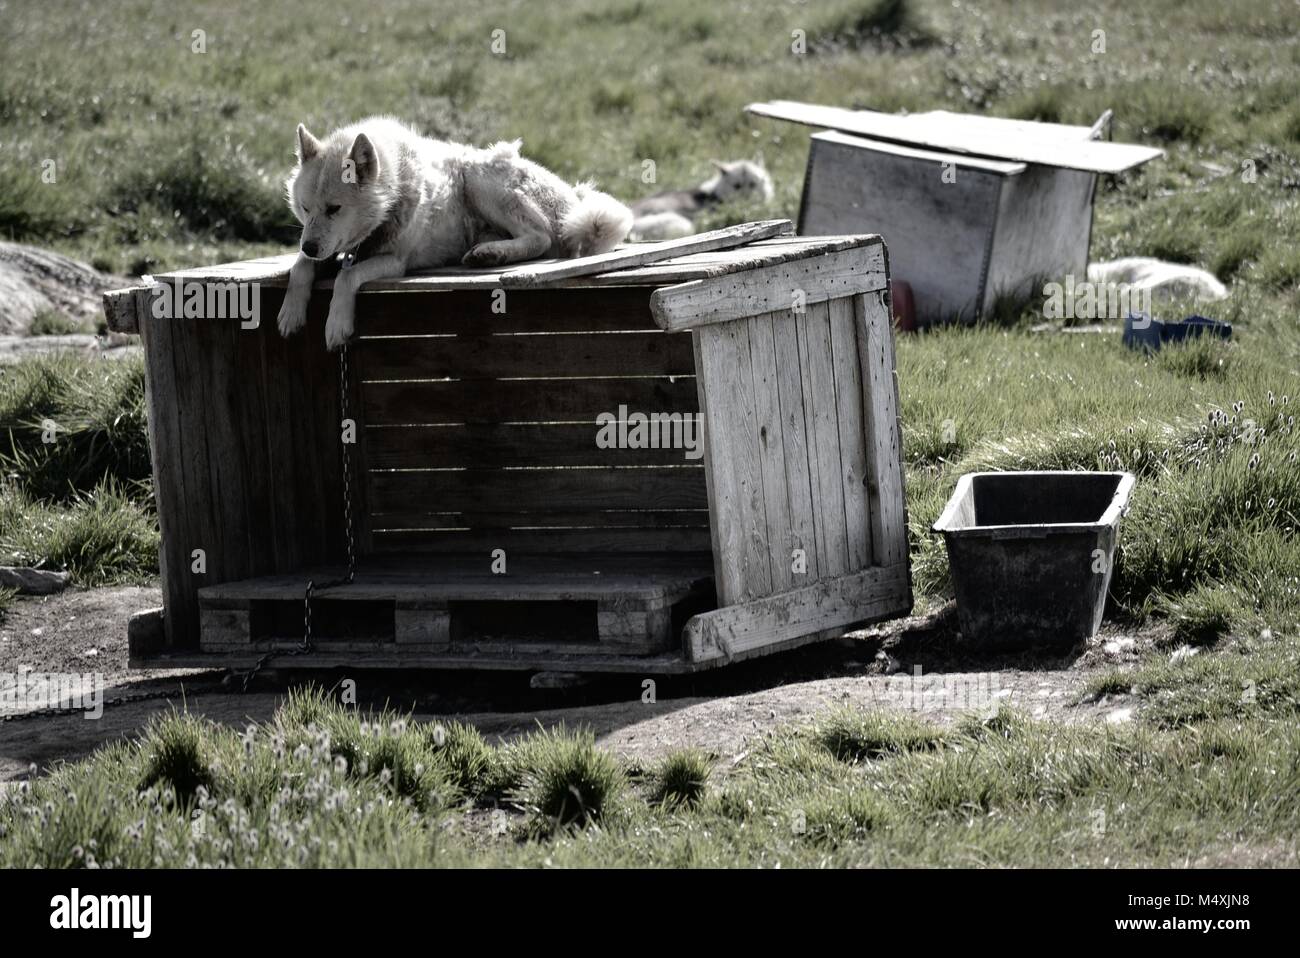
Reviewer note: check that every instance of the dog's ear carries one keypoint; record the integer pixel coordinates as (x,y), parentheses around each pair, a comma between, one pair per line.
(721,166)
(308,145)
(365,161)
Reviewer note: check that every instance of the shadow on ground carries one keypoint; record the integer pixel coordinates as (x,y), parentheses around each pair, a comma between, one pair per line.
(917,664)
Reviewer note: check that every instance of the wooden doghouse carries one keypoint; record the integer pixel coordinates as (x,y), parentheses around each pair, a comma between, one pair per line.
(974,209)
(492,529)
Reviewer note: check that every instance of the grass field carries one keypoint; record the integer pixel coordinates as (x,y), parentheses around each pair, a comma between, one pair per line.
(167,157)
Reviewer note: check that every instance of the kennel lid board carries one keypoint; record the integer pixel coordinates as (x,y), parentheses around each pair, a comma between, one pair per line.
(637,264)
(731,273)
(963,161)
(1025,141)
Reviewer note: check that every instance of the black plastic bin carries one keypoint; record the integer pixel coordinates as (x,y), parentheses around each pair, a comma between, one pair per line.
(1031,553)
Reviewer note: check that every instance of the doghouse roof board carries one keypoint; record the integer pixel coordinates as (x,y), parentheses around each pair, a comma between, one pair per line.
(1048,144)
(701,256)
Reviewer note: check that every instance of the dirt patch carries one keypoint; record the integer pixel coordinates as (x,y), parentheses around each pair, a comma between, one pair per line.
(916,665)
(81,630)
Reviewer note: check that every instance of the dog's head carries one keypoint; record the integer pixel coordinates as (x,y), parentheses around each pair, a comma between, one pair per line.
(336,191)
(741,178)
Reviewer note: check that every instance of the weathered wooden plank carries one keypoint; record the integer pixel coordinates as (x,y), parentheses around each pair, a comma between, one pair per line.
(995,139)
(120,308)
(272,272)
(886,495)
(585,519)
(494,310)
(540,490)
(516,355)
(423,624)
(852,437)
(282,451)
(170,497)
(624,628)
(145,634)
(832,602)
(300,469)
(817,371)
(515,657)
(507,445)
(732,462)
(645,581)
(763,362)
(524,400)
(795,432)
(641,254)
(711,265)
(649,590)
(300,461)
(798,283)
(631,540)
(224,627)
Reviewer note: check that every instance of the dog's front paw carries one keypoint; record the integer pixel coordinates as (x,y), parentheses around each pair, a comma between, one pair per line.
(338,327)
(483,255)
(293,315)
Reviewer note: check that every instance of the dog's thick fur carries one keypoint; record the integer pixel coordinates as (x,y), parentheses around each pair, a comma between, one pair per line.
(672,213)
(1166,281)
(401,201)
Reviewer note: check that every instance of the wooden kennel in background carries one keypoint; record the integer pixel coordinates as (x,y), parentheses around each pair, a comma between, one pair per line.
(476,396)
(975,210)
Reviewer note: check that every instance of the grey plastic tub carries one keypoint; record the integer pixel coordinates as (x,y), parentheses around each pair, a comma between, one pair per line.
(1031,553)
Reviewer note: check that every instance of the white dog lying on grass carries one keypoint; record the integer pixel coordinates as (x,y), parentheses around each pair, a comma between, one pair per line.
(1166,281)
(398,201)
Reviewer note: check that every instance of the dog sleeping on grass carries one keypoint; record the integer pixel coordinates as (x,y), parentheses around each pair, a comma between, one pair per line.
(672,214)
(392,201)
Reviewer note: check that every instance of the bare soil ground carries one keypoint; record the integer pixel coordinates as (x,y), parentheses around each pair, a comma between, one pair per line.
(721,712)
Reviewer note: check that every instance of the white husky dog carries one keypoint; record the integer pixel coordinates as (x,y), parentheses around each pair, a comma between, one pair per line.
(671,214)
(1165,280)
(400,201)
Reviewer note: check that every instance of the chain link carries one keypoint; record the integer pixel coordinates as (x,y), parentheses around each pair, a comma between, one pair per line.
(306,646)
(188,691)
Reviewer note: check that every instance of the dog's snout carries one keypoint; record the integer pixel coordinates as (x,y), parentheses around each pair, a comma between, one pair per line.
(310,247)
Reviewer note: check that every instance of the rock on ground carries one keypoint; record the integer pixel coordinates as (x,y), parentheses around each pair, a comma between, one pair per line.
(34,280)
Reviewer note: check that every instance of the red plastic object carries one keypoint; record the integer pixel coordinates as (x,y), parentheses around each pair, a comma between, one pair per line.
(900,295)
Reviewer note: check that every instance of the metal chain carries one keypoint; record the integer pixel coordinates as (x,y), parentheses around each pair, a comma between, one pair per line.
(189,691)
(306,646)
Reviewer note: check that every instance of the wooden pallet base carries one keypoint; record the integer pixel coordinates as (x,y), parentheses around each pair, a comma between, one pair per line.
(456,605)
(519,660)
(699,635)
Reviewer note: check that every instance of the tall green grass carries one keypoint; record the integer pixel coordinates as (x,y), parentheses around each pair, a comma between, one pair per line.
(102,537)
(69,424)
(995,790)
(76,490)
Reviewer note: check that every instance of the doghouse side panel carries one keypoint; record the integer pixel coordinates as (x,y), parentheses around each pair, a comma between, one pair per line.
(803,452)
(509,420)
(936,211)
(787,448)
(245,439)
(1044,226)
